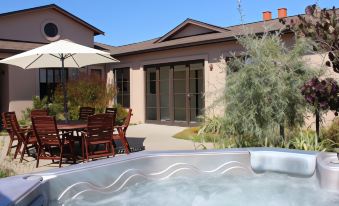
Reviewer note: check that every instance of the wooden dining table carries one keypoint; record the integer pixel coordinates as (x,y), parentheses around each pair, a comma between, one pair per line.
(71,125)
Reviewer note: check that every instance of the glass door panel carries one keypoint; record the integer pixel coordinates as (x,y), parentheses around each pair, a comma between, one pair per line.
(196,89)
(174,92)
(151,99)
(179,92)
(164,73)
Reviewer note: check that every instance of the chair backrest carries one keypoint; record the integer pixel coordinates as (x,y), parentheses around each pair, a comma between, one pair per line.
(84,112)
(100,127)
(6,122)
(39,112)
(15,126)
(46,130)
(127,119)
(112,111)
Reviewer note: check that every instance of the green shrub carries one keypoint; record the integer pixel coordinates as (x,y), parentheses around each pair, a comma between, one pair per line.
(85,91)
(6,172)
(332,132)
(307,140)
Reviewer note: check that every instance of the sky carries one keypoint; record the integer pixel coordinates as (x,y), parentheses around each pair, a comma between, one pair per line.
(130,21)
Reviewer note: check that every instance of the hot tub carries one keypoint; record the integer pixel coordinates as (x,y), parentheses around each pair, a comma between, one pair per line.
(249,176)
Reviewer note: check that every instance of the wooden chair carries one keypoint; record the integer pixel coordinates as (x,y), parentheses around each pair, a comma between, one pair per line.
(84,112)
(25,137)
(109,110)
(122,132)
(99,132)
(49,138)
(112,111)
(39,112)
(6,122)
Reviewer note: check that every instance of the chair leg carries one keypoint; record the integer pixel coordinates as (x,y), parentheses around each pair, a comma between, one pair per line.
(61,154)
(83,151)
(18,148)
(112,149)
(124,142)
(71,148)
(9,147)
(38,157)
(23,151)
(86,148)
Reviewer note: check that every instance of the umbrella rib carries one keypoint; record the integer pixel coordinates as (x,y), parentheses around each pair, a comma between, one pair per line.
(34,61)
(55,56)
(75,61)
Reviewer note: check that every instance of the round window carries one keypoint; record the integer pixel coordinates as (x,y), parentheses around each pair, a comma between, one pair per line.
(51,30)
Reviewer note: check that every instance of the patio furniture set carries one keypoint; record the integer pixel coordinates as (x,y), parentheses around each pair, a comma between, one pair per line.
(95,134)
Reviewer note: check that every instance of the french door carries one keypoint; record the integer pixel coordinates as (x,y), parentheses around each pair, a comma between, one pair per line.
(174,92)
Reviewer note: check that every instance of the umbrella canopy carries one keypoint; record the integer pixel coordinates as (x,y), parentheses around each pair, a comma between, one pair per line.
(62,54)
(50,55)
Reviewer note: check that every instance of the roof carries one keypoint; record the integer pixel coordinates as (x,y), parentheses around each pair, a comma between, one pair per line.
(223,34)
(15,46)
(208,27)
(58,9)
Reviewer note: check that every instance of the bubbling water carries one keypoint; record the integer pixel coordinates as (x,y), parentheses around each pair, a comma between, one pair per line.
(208,190)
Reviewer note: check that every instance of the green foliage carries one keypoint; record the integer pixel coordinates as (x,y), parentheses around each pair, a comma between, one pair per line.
(6,173)
(264,91)
(85,91)
(307,140)
(322,26)
(332,132)
(121,114)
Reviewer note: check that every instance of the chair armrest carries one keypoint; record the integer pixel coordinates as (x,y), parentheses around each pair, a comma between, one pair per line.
(25,130)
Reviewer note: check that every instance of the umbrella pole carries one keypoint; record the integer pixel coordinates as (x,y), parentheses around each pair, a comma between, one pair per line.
(64,87)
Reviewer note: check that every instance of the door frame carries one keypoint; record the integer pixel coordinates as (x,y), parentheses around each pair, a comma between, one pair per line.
(171,106)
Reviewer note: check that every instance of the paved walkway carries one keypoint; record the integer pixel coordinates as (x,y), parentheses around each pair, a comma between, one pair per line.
(160,138)
(152,137)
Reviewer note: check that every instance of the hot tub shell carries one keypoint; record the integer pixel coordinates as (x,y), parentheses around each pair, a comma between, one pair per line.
(114,174)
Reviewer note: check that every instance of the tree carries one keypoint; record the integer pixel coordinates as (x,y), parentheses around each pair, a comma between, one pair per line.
(262,88)
(322,26)
(322,95)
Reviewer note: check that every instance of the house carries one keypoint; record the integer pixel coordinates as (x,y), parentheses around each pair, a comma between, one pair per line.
(167,80)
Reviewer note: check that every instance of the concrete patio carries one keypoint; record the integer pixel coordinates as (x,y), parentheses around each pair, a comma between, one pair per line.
(152,137)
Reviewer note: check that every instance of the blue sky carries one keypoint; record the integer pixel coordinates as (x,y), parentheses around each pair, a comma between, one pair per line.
(130,21)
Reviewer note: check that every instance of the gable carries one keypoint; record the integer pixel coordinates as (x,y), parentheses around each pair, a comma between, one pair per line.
(29,26)
(189,28)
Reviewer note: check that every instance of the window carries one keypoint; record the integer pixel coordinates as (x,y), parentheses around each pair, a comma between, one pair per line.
(49,79)
(122,83)
(51,30)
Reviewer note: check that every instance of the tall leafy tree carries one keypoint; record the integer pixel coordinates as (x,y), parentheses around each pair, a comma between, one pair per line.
(262,88)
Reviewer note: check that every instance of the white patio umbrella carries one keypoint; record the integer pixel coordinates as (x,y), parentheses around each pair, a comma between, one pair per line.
(63,54)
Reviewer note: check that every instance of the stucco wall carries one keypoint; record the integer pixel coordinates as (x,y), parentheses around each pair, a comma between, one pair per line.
(23,85)
(4,90)
(214,73)
(28,27)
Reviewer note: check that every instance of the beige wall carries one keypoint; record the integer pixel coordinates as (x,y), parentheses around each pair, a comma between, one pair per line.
(28,27)
(23,85)
(214,79)
(4,90)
